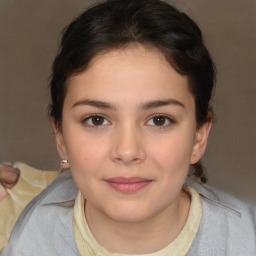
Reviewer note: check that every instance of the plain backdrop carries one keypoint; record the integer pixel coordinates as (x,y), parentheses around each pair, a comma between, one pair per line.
(29,36)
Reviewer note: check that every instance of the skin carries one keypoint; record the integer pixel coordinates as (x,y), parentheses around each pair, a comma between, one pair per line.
(133,85)
(9,177)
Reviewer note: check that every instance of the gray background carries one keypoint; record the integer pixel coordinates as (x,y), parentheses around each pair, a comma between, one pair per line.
(29,32)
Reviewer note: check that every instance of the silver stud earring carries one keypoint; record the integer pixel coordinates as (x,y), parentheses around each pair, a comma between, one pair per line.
(65,164)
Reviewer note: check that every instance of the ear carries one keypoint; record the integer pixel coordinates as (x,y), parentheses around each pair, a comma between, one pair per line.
(200,142)
(59,140)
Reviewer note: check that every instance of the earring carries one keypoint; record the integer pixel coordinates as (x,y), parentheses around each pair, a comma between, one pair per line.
(65,164)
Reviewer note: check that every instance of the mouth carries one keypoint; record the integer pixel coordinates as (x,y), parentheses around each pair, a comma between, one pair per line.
(128,185)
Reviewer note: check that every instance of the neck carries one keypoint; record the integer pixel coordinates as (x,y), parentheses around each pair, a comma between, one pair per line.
(147,236)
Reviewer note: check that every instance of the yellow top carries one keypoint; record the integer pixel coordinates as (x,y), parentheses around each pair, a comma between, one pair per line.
(32,181)
(87,244)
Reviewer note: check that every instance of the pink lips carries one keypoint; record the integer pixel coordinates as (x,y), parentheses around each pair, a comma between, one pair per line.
(128,185)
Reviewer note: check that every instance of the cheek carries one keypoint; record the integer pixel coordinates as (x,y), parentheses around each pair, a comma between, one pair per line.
(86,155)
(86,158)
(173,154)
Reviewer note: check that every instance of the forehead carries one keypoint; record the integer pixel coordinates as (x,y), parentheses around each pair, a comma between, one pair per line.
(130,55)
(132,72)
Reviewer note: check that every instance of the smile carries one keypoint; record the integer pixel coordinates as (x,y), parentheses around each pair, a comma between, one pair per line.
(128,185)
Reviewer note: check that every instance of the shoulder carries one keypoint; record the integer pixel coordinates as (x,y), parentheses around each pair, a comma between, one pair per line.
(46,220)
(228,224)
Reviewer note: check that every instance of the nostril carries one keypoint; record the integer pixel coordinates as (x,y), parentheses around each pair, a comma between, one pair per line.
(129,159)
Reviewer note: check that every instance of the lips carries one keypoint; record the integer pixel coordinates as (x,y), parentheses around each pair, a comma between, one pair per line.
(128,185)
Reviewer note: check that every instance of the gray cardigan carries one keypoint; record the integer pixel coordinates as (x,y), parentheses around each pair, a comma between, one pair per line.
(227,227)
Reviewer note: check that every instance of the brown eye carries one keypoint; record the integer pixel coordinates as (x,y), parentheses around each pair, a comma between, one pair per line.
(96,120)
(159,120)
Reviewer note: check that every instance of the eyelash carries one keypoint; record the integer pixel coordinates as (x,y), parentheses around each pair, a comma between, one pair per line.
(165,118)
(169,119)
(86,120)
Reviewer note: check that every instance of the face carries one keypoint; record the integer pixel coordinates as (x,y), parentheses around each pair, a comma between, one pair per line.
(129,133)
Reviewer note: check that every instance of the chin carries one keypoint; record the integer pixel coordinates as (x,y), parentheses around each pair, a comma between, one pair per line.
(128,214)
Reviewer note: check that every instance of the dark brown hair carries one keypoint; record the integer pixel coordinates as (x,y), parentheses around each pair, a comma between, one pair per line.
(152,23)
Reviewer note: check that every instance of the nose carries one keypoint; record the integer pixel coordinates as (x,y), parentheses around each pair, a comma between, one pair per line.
(128,146)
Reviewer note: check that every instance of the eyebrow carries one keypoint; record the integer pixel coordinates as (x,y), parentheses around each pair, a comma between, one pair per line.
(94,103)
(161,103)
(143,106)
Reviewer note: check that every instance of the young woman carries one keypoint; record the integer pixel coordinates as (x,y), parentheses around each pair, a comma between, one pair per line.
(130,108)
